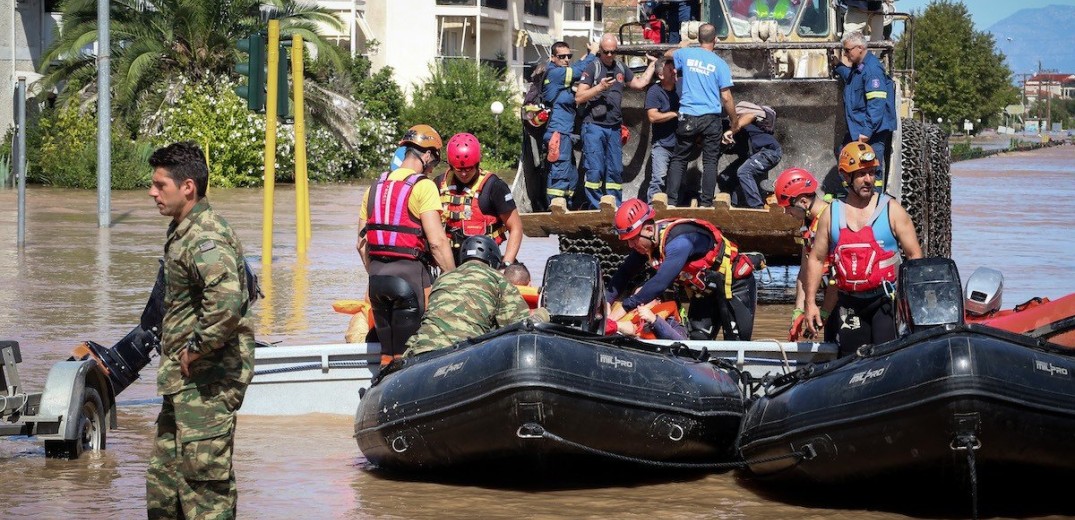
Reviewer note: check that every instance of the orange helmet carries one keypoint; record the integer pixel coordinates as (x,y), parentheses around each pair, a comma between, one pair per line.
(857,155)
(793,182)
(630,217)
(422,136)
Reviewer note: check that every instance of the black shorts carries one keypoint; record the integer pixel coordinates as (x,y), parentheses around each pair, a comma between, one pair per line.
(414,272)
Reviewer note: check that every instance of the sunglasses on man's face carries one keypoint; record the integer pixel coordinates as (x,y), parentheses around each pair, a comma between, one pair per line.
(606,53)
(564,56)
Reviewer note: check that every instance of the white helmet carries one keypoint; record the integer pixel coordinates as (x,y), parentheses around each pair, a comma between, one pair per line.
(983,292)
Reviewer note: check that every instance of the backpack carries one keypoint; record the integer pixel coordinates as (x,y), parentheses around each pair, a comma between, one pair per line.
(764,115)
(537,80)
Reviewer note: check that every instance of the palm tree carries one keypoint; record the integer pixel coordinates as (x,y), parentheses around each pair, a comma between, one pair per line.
(157,43)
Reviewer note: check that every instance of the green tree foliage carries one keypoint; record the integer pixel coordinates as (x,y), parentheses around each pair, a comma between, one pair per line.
(1059,111)
(456,98)
(375,128)
(153,43)
(62,151)
(213,116)
(960,73)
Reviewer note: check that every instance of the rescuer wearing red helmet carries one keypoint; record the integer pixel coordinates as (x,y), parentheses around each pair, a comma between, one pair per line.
(399,248)
(475,201)
(694,254)
(799,193)
(862,237)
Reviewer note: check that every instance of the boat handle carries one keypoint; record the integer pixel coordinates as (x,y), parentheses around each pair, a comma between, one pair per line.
(676,433)
(960,443)
(399,444)
(530,431)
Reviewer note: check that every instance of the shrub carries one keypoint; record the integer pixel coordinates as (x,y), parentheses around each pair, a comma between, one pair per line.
(64,152)
(457,98)
(213,116)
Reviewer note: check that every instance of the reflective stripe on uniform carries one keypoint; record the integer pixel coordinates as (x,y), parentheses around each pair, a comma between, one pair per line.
(554,191)
(593,185)
(877,94)
(610,186)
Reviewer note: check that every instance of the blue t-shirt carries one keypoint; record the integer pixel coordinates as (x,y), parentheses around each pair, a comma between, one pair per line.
(703,74)
(664,134)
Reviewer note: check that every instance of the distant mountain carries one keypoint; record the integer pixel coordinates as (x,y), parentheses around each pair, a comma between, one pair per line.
(1042,35)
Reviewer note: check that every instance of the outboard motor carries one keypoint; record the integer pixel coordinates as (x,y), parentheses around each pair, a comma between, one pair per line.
(131,354)
(984,290)
(397,313)
(928,295)
(124,360)
(574,293)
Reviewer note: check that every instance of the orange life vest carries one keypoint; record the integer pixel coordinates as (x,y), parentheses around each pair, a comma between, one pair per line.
(462,214)
(661,310)
(723,258)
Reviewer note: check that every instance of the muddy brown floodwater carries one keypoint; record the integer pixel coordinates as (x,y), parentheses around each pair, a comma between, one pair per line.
(74,282)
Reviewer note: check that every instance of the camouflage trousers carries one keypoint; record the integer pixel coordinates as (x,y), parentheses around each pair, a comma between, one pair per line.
(190,473)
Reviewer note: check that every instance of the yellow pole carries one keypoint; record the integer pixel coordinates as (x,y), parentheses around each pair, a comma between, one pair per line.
(302,187)
(265,306)
(270,141)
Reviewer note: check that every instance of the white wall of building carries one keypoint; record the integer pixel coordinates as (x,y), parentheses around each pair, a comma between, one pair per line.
(26,30)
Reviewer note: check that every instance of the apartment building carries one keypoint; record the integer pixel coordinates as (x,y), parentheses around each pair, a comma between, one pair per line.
(27,28)
(509,34)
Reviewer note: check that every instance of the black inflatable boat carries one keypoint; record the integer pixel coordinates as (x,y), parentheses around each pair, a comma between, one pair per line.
(514,396)
(480,403)
(913,407)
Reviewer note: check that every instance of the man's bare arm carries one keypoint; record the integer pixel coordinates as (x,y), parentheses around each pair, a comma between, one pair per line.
(438,240)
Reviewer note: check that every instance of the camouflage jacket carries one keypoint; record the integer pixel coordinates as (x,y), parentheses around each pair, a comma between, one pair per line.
(466,302)
(205,301)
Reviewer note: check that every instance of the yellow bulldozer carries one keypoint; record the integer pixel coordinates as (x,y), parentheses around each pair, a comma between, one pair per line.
(783,64)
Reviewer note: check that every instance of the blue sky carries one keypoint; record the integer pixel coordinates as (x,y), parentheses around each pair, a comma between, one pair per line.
(985,12)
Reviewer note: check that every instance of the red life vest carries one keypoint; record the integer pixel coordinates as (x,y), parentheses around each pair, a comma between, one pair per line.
(721,258)
(463,216)
(861,263)
(391,230)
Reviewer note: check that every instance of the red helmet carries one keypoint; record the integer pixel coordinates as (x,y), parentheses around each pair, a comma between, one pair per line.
(793,182)
(630,217)
(464,151)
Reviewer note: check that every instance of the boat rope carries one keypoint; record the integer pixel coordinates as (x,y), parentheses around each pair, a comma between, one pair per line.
(535,431)
(313,366)
(970,444)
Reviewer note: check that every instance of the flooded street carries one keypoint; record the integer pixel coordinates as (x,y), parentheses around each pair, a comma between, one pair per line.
(74,282)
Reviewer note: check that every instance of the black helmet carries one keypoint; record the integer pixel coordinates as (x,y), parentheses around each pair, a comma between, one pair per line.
(480,247)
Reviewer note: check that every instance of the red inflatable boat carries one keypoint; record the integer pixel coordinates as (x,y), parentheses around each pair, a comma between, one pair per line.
(1042,318)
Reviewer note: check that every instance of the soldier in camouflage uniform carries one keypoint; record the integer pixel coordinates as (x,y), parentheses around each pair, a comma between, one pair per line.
(207,346)
(469,301)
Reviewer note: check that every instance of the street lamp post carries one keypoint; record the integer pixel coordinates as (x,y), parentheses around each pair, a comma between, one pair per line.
(497,108)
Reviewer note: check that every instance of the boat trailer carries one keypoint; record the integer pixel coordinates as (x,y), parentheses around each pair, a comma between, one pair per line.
(78,404)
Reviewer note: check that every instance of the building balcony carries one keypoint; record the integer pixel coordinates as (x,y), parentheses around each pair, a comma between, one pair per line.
(579,11)
(492,4)
(536,7)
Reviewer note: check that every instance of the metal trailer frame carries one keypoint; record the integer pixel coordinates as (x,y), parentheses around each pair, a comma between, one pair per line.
(57,414)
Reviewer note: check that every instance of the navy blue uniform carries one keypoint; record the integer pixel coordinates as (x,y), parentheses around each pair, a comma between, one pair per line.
(556,94)
(870,104)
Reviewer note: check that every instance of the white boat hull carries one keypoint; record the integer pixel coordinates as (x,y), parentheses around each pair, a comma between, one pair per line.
(296,380)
